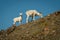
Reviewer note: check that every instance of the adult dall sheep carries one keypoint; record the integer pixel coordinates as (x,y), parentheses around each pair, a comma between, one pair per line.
(18,19)
(32,13)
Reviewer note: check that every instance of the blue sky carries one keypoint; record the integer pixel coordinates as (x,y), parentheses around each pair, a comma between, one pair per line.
(10,9)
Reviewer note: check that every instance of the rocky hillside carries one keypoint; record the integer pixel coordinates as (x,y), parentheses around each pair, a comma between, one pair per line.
(47,28)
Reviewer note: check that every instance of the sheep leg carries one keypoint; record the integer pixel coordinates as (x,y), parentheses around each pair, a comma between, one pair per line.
(14,23)
(19,22)
(33,17)
(27,19)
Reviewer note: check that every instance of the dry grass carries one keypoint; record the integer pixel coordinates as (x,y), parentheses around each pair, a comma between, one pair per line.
(47,28)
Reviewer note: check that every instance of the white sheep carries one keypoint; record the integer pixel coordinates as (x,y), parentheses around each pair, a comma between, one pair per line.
(32,13)
(18,19)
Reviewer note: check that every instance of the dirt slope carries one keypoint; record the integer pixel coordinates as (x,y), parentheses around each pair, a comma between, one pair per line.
(47,28)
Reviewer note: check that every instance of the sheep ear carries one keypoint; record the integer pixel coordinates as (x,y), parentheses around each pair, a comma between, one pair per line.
(20,13)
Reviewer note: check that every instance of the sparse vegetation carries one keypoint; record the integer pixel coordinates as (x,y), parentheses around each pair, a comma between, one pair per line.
(47,28)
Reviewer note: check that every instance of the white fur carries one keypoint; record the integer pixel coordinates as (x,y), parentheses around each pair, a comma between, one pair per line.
(17,19)
(32,13)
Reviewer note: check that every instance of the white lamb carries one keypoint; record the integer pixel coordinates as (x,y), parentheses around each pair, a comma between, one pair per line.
(18,19)
(32,13)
